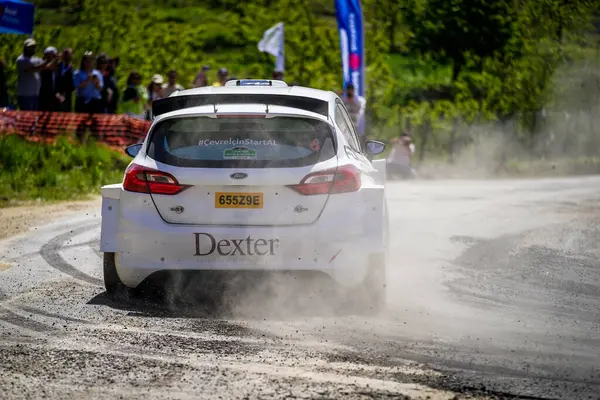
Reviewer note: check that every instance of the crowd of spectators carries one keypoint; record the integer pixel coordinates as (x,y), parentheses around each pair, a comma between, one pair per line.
(54,83)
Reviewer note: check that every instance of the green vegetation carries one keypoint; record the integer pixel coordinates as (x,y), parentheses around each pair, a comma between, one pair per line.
(58,171)
(456,73)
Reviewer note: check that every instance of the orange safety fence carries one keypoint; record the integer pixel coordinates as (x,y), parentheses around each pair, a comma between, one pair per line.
(115,130)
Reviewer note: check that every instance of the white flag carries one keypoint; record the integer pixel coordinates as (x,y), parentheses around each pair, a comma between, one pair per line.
(273,43)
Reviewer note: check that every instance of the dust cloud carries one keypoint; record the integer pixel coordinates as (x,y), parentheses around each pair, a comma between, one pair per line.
(253,295)
(558,140)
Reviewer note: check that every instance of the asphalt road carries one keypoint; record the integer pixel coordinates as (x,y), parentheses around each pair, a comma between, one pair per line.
(494,291)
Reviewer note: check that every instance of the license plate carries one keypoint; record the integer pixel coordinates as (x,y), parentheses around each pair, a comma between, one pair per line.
(238,200)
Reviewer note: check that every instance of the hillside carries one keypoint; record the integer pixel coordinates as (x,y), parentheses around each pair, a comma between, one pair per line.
(433,68)
(155,36)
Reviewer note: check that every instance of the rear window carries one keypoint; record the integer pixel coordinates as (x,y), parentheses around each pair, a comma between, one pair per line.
(278,142)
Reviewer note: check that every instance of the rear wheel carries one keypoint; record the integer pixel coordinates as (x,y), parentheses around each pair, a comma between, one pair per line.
(369,297)
(374,286)
(112,282)
(373,289)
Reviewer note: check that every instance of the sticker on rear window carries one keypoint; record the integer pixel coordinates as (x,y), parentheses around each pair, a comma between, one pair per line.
(236,142)
(239,153)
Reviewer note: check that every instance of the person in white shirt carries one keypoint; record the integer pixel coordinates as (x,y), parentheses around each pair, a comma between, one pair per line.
(29,80)
(399,161)
(171,85)
(356,105)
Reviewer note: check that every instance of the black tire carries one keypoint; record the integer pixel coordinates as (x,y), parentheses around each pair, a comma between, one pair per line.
(368,298)
(112,282)
(375,286)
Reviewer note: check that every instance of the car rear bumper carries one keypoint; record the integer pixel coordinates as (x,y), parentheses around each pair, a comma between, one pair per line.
(339,244)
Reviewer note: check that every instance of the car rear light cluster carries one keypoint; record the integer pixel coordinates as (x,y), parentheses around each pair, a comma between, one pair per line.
(343,179)
(147,180)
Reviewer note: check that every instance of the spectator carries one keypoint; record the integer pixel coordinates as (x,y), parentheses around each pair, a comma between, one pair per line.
(355,105)
(201,79)
(89,83)
(111,81)
(399,161)
(108,90)
(4,100)
(223,77)
(64,82)
(154,93)
(28,83)
(277,75)
(155,88)
(134,97)
(47,94)
(171,85)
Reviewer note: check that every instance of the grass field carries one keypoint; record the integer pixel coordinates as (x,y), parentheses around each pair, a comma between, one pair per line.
(58,171)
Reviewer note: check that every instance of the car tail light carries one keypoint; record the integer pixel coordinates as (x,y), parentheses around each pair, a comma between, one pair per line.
(343,179)
(147,180)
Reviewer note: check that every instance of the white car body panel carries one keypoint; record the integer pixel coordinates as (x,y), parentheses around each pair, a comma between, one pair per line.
(335,234)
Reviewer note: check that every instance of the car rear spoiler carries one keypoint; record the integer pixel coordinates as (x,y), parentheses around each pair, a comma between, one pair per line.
(168,104)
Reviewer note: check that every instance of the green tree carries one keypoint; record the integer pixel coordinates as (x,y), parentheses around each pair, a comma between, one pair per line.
(555,18)
(452,31)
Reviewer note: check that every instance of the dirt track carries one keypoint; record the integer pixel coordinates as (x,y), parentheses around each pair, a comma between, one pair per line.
(494,291)
(16,220)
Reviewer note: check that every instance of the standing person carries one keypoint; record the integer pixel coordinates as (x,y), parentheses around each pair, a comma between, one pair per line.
(88,82)
(47,94)
(355,105)
(171,85)
(399,161)
(64,81)
(277,75)
(110,80)
(28,82)
(109,87)
(201,79)
(4,100)
(154,93)
(223,76)
(135,98)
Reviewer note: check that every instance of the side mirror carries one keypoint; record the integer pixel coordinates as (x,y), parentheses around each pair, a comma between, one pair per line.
(134,149)
(373,147)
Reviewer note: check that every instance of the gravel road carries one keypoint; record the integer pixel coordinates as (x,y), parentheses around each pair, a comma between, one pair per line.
(494,292)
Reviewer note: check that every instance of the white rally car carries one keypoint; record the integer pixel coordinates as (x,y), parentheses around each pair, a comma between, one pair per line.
(254,175)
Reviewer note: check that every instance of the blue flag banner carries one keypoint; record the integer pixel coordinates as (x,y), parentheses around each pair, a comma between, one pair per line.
(16,17)
(350,26)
